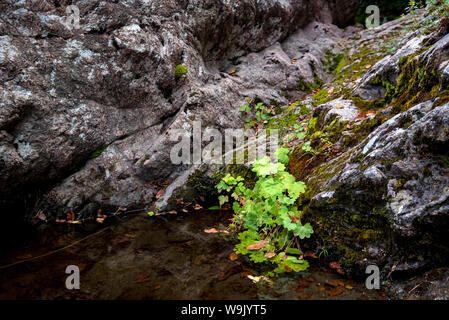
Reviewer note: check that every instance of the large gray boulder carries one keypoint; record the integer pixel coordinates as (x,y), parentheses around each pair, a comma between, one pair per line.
(107,89)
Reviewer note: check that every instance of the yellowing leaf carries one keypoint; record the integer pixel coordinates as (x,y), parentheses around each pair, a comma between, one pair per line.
(257,246)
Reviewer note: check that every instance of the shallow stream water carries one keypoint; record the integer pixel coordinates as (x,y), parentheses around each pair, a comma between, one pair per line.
(160,257)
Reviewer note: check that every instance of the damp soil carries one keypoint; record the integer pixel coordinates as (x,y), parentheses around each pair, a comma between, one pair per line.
(160,257)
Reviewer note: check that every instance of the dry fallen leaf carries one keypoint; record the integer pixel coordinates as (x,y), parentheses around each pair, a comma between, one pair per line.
(141,278)
(349,287)
(310,279)
(232,72)
(179,202)
(332,283)
(341,271)
(257,246)
(160,193)
(25,256)
(309,253)
(270,255)
(224,231)
(211,230)
(233,256)
(197,207)
(173,212)
(245,274)
(336,292)
(335,265)
(185,210)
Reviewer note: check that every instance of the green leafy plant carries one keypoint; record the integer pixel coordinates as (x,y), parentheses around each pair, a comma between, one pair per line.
(435,11)
(180,70)
(261,113)
(269,222)
(298,133)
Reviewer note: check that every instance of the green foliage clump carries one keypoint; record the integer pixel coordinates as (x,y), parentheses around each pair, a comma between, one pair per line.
(269,222)
(436,12)
(262,113)
(180,70)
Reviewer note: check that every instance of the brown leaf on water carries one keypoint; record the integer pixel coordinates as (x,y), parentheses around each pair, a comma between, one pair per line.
(160,193)
(211,230)
(335,265)
(141,278)
(25,256)
(270,255)
(173,212)
(233,256)
(185,210)
(257,246)
(60,221)
(299,289)
(197,207)
(331,283)
(341,271)
(335,292)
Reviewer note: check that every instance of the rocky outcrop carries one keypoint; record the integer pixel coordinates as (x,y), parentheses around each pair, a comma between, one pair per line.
(89,107)
(382,196)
